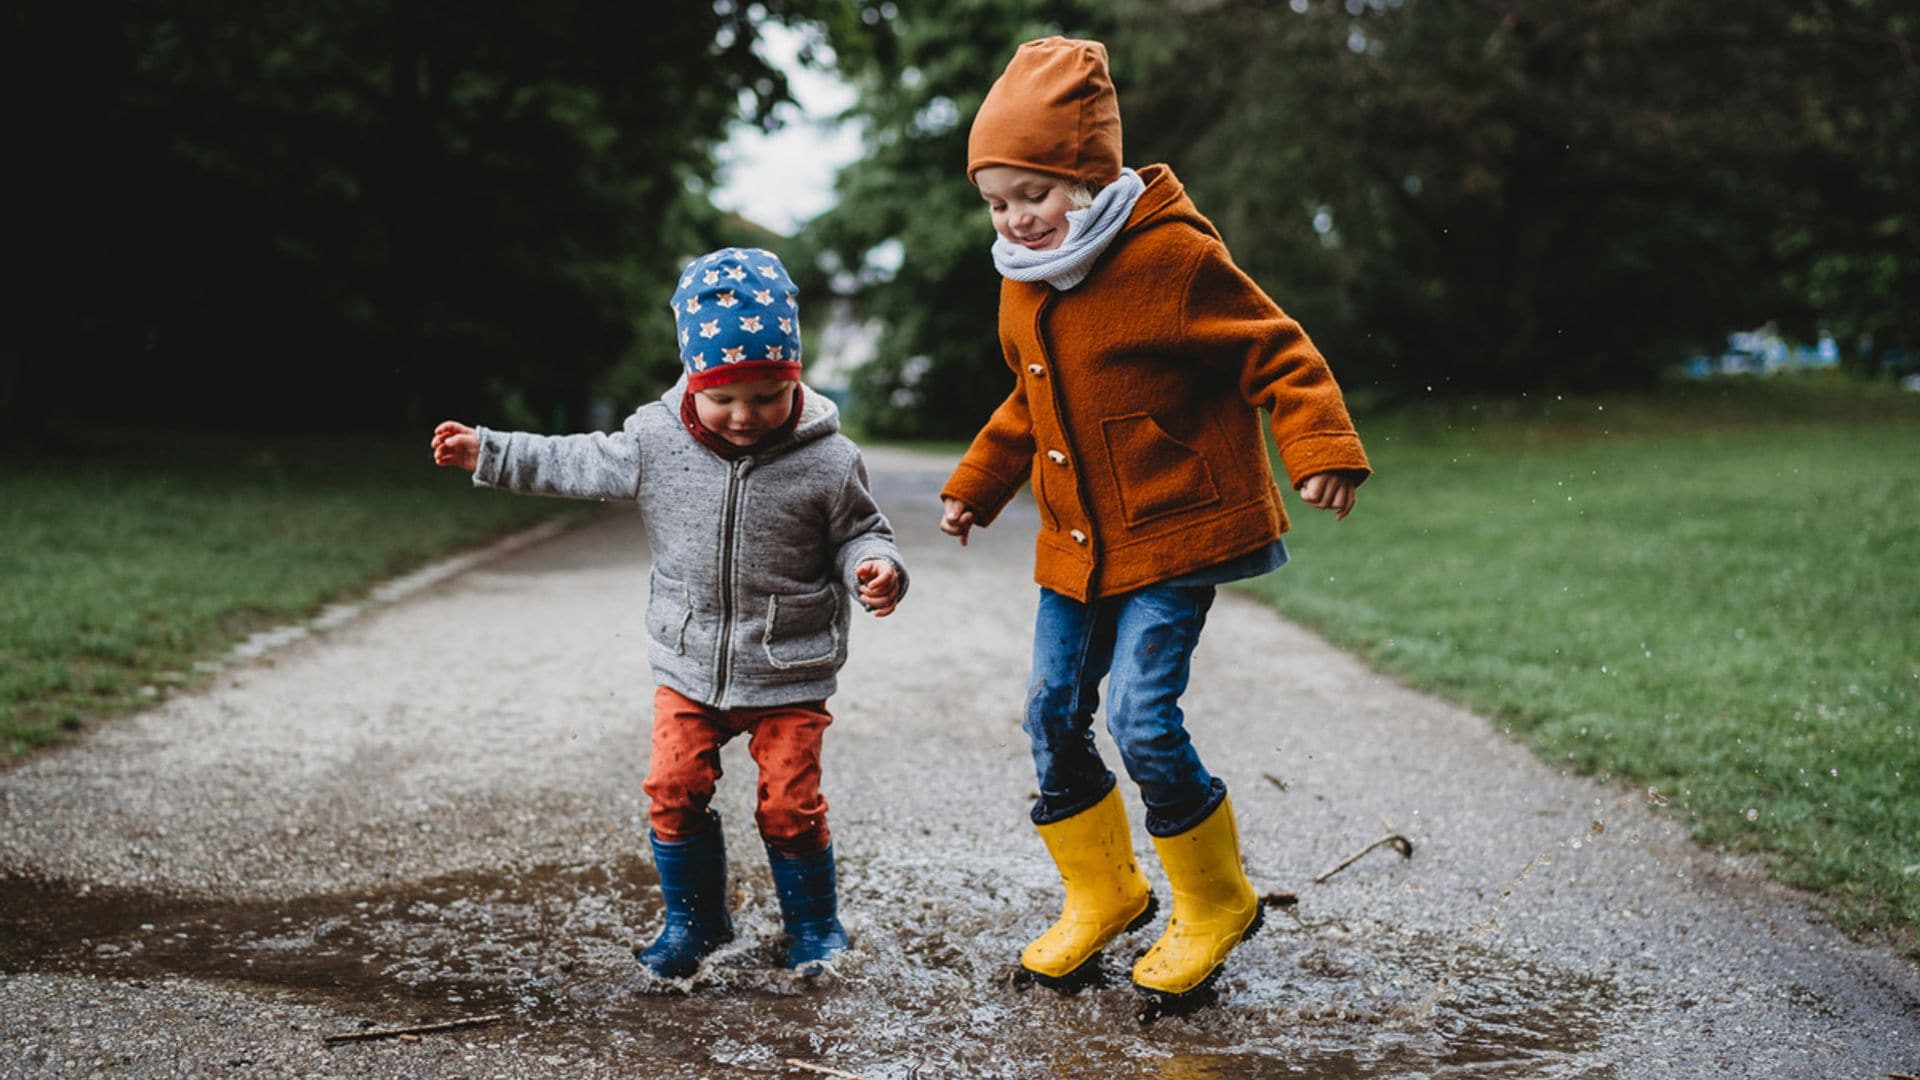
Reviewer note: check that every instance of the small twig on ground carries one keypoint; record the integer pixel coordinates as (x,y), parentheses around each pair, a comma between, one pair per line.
(822,1069)
(414,1029)
(1275,781)
(1399,843)
(1902,1076)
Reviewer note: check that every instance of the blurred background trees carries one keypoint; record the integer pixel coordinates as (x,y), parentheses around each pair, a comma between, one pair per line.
(357,213)
(1455,197)
(372,213)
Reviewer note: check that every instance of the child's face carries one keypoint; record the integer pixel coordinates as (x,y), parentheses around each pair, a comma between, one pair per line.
(1029,208)
(743,413)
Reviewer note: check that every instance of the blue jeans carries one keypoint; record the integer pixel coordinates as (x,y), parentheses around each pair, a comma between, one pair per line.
(1142,643)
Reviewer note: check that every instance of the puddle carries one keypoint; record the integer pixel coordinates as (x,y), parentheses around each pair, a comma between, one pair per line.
(928,991)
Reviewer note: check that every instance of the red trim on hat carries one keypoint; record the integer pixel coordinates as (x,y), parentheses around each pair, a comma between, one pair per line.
(743,371)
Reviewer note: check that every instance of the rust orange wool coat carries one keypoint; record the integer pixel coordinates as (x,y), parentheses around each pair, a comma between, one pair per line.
(1135,408)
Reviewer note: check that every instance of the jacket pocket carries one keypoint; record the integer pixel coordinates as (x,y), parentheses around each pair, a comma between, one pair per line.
(803,630)
(669,610)
(1155,473)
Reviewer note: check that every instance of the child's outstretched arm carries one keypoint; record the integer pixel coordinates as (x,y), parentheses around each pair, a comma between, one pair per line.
(455,445)
(1335,491)
(589,466)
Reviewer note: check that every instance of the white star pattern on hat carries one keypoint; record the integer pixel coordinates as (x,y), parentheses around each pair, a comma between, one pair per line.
(721,284)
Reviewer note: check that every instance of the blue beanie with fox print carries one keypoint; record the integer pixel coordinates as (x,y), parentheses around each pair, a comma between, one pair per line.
(737,314)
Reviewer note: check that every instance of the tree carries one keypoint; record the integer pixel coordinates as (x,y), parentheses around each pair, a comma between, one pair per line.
(1479,196)
(361,212)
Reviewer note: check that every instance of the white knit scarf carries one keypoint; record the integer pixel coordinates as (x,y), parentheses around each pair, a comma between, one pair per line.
(1089,231)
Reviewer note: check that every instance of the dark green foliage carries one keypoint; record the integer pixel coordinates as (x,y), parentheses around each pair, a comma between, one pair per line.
(359,212)
(1455,196)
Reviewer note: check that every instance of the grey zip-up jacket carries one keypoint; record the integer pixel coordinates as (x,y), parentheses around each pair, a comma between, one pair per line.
(753,559)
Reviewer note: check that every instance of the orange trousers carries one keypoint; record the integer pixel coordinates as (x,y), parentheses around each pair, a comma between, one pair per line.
(785,743)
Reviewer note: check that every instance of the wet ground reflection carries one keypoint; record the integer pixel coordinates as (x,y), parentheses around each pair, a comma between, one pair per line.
(928,992)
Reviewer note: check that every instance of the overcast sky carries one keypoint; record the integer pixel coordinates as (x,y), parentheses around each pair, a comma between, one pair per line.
(783,179)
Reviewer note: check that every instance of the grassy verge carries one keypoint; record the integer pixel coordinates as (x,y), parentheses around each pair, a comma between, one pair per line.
(1715,595)
(124,565)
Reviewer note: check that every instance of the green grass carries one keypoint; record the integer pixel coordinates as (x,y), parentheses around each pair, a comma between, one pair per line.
(123,565)
(1715,595)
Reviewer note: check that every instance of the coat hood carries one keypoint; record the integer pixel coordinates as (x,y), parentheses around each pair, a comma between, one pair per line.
(1165,202)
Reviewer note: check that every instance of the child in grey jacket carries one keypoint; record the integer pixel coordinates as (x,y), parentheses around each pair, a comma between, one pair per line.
(762,526)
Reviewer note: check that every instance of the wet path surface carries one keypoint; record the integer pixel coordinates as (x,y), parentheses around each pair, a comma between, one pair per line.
(433,813)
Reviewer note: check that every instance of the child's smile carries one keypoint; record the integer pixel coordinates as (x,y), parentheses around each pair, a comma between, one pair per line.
(1029,208)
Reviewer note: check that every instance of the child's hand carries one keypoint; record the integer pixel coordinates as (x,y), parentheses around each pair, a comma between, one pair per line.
(879,586)
(956,519)
(455,445)
(1329,491)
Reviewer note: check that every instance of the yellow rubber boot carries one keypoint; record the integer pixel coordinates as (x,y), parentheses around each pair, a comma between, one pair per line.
(1214,908)
(1107,894)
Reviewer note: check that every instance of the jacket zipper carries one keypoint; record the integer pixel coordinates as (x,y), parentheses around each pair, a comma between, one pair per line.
(728,522)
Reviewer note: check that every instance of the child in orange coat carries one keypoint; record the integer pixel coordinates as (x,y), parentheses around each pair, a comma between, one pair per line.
(1141,357)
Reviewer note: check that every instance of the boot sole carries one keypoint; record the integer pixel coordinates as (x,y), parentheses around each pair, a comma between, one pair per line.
(1088,972)
(1157,1003)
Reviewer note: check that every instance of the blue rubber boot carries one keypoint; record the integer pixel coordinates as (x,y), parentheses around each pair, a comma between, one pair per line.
(808,908)
(693,889)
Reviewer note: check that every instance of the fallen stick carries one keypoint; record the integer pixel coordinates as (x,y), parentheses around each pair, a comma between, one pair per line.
(415,1029)
(1275,781)
(798,1064)
(1400,844)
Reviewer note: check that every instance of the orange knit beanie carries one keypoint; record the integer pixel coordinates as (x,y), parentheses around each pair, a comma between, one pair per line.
(1053,111)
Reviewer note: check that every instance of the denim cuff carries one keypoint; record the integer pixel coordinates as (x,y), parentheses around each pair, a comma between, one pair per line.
(1046,811)
(1180,817)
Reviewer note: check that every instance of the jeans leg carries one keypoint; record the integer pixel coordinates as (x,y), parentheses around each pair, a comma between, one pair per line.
(1072,648)
(1157,629)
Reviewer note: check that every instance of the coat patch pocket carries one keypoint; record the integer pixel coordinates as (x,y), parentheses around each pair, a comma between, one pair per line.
(804,630)
(669,610)
(1155,473)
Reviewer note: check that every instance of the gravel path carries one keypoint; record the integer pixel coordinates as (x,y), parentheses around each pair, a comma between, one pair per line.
(433,810)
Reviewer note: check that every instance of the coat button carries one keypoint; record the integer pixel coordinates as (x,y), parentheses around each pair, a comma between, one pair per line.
(1056,457)
(1036,369)
(1078,536)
